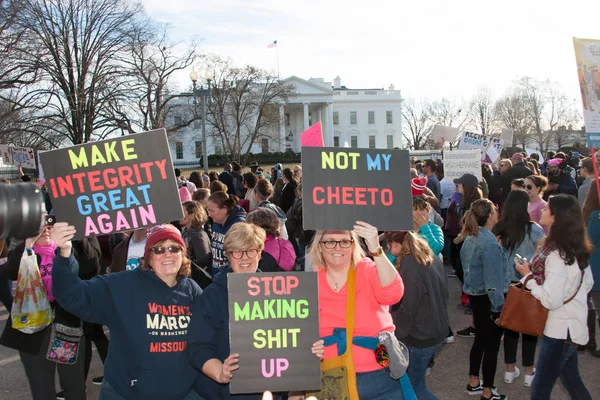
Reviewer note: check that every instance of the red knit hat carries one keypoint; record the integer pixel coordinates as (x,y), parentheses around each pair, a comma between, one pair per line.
(418,186)
(162,232)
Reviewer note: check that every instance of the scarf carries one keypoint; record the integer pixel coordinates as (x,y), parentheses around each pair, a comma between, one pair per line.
(538,264)
(47,254)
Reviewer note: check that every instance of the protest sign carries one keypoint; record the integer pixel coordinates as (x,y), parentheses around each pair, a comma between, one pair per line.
(493,150)
(471,141)
(114,185)
(5,155)
(507,135)
(444,134)
(342,186)
(587,54)
(460,162)
(313,136)
(23,157)
(273,322)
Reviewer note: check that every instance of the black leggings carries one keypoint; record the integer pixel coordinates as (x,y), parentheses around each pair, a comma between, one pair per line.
(96,335)
(511,342)
(484,352)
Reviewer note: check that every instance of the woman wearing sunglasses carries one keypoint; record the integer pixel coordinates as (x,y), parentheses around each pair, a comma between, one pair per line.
(209,349)
(535,185)
(147,310)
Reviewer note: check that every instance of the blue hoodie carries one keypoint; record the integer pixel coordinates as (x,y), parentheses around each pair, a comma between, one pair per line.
(209,337)
(148,322)
(218,238)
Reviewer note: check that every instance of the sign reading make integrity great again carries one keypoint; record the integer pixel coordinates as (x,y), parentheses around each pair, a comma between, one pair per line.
(113,186)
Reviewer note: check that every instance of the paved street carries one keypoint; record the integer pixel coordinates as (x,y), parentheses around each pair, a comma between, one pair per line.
(447,380)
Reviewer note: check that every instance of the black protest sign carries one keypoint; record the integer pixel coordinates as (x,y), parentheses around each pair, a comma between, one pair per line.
(113,185)
(273,322)
(341,186)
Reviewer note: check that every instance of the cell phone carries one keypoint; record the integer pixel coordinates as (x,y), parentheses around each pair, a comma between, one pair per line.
(50,220)
(520,259)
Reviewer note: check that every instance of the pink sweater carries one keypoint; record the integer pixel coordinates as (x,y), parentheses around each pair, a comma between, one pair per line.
(535,211)
(371,311)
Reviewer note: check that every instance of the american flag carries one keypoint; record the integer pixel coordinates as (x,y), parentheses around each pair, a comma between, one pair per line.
(271,45)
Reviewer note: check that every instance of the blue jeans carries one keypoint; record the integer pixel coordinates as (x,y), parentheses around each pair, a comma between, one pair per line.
(558,359)
(419,361)
(378,385)
(6,293)
(108,393)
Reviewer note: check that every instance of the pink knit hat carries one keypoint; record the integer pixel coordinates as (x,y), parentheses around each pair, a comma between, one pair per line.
(184,194)
(555,161)
(162,232)
(418,186)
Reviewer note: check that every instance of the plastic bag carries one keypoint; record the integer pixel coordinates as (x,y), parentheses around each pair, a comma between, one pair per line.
(31,311)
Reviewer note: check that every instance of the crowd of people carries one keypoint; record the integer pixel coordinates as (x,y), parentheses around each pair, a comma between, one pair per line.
(380,293)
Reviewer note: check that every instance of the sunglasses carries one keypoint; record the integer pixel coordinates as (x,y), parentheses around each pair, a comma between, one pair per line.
(344,244)
(529,187)
(170,249)
(250,253)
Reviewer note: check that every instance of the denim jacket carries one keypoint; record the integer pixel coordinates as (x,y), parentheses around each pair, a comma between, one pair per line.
(485,266)
(526,250)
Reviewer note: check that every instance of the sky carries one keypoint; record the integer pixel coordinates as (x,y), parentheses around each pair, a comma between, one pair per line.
(426,48)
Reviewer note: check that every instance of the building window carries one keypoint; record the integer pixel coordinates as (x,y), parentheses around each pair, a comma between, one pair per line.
(264,145)
(198,149)
(354,142)
(336,118)
(287,119)
(336,141)
(389,117)
(178,120)
(371,117)
(179,150)
(371,142)
(218,150)
(352,117)
(310,119)
(390,141)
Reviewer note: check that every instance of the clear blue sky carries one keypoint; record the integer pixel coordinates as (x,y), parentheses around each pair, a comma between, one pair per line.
(427,48)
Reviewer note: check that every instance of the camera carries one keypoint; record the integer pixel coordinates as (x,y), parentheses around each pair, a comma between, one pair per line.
(21,210)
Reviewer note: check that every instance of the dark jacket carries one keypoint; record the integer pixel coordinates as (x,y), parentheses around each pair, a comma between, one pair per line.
(519,170)
(566,184)
(238,186)
(148,332)
(197,243)
(119,255)
(87,252)
(208,337)
(227,179)
(421,317)
(218,238)
(288,194)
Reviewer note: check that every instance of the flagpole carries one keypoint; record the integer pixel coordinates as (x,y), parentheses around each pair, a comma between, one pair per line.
(277,50)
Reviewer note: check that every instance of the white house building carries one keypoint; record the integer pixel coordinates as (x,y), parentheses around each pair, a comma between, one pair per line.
(359,118)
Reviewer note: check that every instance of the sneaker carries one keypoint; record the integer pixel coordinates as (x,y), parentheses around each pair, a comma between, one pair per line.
(468,310)
(449,339)
(529,379)
(60,395)
(495,396)
(509,377)
(427,371)
(462,306)
(468,332)
(475,390)
(97,380)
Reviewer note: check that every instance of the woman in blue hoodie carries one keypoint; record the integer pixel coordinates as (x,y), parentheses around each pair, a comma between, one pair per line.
(147,310)
(225,212)
(209,349)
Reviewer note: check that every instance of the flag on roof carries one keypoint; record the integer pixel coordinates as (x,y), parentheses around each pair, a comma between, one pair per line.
(271,45)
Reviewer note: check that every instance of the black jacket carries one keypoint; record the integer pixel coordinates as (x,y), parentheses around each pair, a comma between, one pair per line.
(519,170)
(288,194)
(88,253)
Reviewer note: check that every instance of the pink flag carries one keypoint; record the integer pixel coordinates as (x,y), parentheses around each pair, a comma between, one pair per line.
(313,136)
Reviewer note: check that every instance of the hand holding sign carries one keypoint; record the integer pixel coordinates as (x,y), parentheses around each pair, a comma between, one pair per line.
(229,365)
(318,349)
(62,233)
(369,233)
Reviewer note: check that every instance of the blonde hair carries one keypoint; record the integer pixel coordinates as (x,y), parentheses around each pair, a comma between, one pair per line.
(477,216)
(314,252)
(184,270)
(415,245)
(244,235)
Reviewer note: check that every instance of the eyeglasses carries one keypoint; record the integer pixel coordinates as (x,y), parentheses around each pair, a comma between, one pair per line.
(250,253)
(344,244)
(529,187)
(170,249)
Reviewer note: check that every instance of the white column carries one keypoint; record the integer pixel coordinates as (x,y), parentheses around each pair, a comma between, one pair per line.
(324,123)
(305,116)
(329,130)
(319,115)
(281,129)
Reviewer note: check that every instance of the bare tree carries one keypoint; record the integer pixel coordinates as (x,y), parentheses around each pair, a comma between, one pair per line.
(418,123)
(451,113)
(152,61)
(78,45)
(511,111)
(482,112)
(245,106)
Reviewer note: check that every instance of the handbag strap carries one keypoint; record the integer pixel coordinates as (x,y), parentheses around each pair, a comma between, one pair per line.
(350,303)
(577,291)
